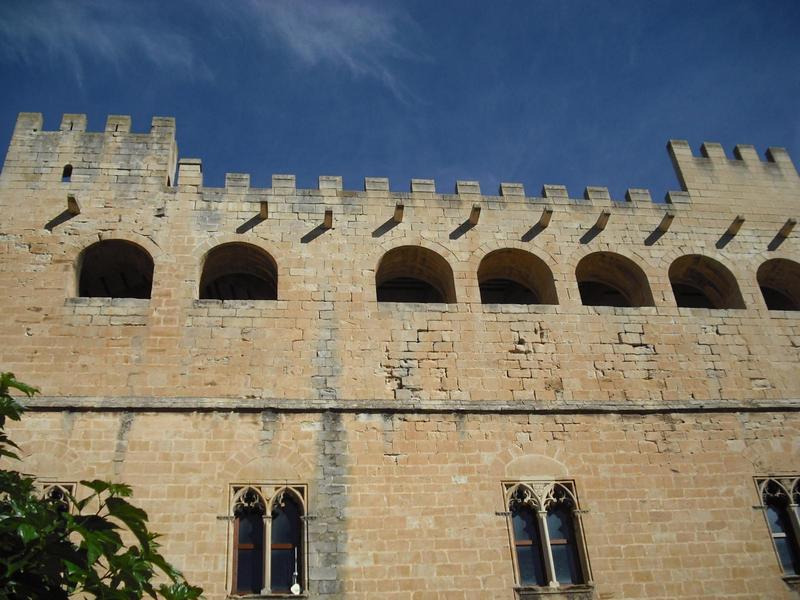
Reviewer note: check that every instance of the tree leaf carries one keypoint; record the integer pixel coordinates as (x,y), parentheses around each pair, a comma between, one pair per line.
(27,532)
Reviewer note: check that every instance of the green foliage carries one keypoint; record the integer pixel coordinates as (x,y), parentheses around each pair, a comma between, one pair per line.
(75,548)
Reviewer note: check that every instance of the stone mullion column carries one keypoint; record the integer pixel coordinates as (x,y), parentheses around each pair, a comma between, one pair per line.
(267,552)
(549,567)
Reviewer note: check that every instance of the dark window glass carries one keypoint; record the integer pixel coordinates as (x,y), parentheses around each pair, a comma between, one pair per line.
(408,289)
(506,291)
(594,293)
(689,296)
(783,536)
(286,548)
(563,546)
(528,546)
(249,552)
(66,173)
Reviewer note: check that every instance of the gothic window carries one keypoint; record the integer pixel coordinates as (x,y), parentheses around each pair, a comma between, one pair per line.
(780,498)
(547,535)
(268,538)
(115,269)
(59,494)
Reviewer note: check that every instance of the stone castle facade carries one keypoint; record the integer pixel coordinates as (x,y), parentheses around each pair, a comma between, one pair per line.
(422,395)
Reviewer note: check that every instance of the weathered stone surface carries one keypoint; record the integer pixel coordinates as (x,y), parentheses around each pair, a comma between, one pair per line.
(404,419)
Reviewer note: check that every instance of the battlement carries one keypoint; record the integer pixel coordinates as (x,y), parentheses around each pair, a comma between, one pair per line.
(115,155)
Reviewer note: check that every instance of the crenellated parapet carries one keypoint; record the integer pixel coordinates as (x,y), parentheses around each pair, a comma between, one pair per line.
(709,181)
(112,156)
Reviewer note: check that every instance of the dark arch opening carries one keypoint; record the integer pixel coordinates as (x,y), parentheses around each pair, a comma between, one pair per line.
(66,173)
(115,269)
(239,271)
(702,282)
(513,276)
(779,280)
(609,279)
(414,274)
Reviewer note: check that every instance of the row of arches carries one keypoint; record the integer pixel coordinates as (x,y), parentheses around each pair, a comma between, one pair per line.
(241,271)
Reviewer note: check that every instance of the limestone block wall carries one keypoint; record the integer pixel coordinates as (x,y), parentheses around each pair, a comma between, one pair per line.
(405,504)
(326,337)
(404,420)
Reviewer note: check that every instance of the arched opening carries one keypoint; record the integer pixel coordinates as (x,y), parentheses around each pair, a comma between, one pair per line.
(528,545)
(286,544)
(779,280)
(702,282)
(414,274)
(248,543)
(66,174)
(513,276)
(115,269)
(609,279)
(239,271)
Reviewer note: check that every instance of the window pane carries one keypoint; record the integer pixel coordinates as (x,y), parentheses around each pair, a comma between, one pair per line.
(531,569)
(251,528)
(566,564)
(250,560)
(785,543)
(563,546)
(778,519)
(286,522)
(787,555)
(282,566)
(529,557)
(559,524)
(286,544)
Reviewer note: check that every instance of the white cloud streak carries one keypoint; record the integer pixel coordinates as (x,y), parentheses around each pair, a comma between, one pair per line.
(74,33)
(364,40)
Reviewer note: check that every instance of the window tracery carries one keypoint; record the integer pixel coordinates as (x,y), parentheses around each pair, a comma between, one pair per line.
(59,494)
(780,497)
(268,537)
(547,535)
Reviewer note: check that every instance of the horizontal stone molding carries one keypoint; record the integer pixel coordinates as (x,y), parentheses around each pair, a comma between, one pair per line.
(223,404)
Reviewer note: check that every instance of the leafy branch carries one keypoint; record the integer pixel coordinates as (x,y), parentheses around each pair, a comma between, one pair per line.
(62,549)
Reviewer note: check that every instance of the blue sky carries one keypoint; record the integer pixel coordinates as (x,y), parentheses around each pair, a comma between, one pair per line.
(566,92)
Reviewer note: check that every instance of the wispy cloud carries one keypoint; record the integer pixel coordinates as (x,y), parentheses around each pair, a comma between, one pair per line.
(49,32)
(364,40)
